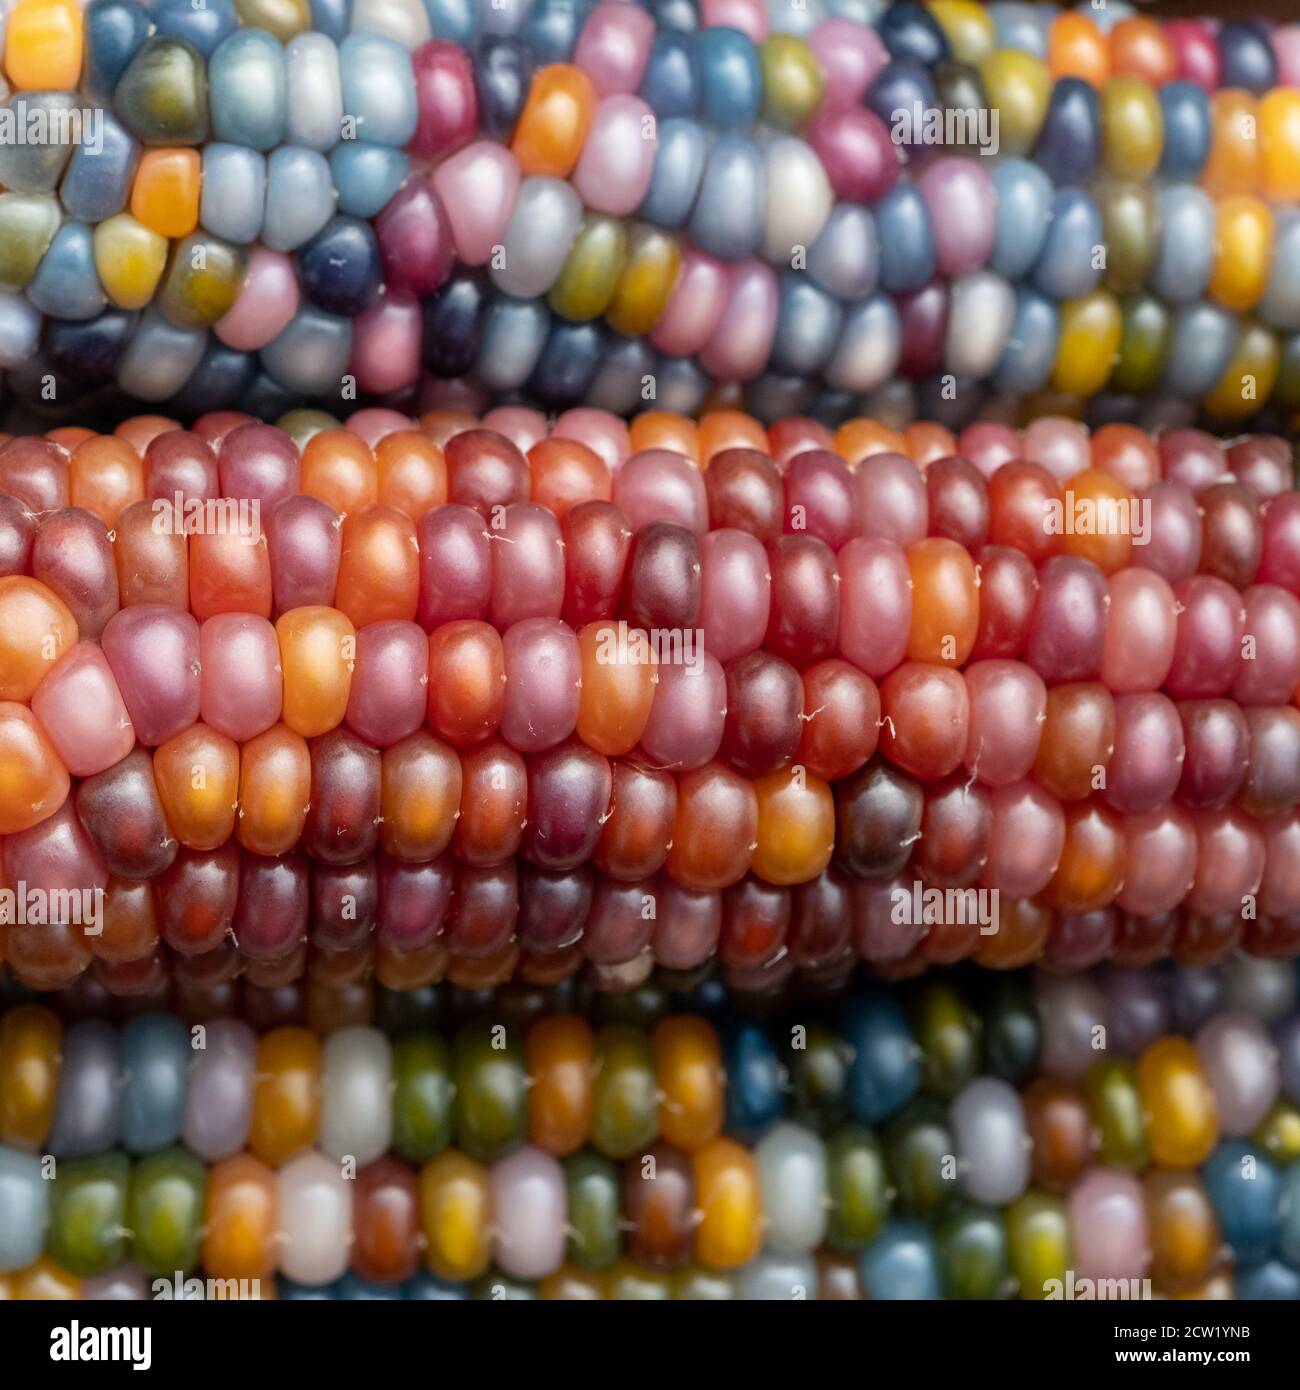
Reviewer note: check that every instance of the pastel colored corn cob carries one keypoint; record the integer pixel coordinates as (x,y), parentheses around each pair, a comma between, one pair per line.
(265,203)
(831,1135)
(421,686)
